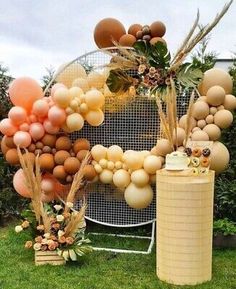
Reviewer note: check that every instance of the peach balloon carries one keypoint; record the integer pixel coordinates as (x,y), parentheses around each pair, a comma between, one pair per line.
(55,87)
(24,91)
(95,117)
(22,139)
(40,108)
(36,130)
(33,118)
(56,115)
(47,185)
(24,126)
(19,184)
(7,127)
(17,114)
(50,128)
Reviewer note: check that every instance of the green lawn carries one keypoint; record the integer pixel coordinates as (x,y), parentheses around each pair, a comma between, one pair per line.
(99,270)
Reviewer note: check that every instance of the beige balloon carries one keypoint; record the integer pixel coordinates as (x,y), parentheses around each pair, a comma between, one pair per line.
(219,157)
(70,73)
(138,197)
(121,178)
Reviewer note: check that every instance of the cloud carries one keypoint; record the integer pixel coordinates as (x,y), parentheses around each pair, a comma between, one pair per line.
(37,34)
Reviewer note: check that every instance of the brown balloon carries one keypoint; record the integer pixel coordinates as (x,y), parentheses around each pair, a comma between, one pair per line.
(134,28)
(158,29)
(106,30)
(89,172)
(9,142)
(46,162)
(81,144)
(12,157)
(49,140)
(61,156)
(59,172)
(63,143)
(127,40)
(71,165)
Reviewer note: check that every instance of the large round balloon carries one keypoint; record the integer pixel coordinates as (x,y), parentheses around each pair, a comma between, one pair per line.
(24,91)
(138,197)
(70,73)
(219,157)
(19,184)
(107,30)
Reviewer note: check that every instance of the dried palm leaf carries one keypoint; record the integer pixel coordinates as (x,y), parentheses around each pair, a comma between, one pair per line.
(188,118)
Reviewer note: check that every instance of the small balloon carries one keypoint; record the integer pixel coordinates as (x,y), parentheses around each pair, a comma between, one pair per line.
(40,108)
(36,130)
(56,115)
(19,184)
(22,139)
(17,114)
(55,87)
(50,128)
(24,126)
(7,127)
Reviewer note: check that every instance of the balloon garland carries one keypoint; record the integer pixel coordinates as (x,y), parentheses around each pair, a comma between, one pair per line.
(41,124)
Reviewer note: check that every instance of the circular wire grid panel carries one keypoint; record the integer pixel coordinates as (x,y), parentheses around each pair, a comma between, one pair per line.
(132,124)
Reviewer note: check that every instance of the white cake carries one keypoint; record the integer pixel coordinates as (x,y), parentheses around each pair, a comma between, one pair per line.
(177,161)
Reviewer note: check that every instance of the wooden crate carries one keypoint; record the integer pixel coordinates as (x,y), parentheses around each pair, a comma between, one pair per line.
(48,257)
(184,227)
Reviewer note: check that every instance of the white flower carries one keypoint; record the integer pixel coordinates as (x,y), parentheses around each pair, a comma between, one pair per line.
(60,218)
(37,246)
(18,229)
(50,242)
(57,207)
(46,235)
(69,205)
(60,233)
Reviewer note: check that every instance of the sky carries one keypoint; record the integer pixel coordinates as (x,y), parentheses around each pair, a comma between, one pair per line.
(47,33)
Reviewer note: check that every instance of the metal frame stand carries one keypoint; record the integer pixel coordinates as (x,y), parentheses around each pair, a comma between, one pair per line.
(149,250)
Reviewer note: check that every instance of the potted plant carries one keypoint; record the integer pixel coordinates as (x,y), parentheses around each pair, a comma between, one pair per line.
(224,233)
(57,231)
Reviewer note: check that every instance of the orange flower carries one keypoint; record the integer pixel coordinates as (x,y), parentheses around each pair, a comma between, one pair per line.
(52,246)
(40,227)
(56,226)
(62,239)
(25,224)
(38,239)
(69,240)
(28,244)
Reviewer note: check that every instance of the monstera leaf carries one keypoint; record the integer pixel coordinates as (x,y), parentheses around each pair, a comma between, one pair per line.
(142,48)
(189,76)
(159,56)
(119,81)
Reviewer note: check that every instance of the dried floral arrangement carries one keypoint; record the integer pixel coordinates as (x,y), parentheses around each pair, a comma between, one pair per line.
(60,227)
(150,70)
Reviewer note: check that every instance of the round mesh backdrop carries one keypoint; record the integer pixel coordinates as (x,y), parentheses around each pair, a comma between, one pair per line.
(134,125)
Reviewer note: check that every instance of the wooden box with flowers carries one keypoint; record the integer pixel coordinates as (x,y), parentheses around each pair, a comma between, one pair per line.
(57,231)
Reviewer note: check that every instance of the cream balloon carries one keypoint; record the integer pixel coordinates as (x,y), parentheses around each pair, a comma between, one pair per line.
(114,153)
(74,122)
(163,147)
(140,178)
(216,76)
(183,119)
(75,92)
(99,152)
(96,79)
(213,131)
(62,97)
(230,102)
(200,110)
(121,178)
(94,99)
(95,117)
(106,176)
(180,133)
(133,160)
(138,197)
(200,135)
(223,118)
(70,72)
(215,95)
(152,164)
(82,83)
(219,157)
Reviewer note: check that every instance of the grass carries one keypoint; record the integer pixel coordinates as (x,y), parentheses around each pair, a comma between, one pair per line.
(98,270)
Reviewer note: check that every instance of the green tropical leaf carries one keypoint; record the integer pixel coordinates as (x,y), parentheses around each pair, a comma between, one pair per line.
(119,81)
(142,47)
(159,56)
(189,76)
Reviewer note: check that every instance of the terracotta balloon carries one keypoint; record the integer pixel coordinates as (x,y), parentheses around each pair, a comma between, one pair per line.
(154,40)
(50,128)
(17,114)
(134,28)
(7,127)
(24,91)
(22,139)
(36,130)
(127,40)
(40,108)
(56,115)
(107,30)
(4,147)
(158,29)
(12,157)
(19,184)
